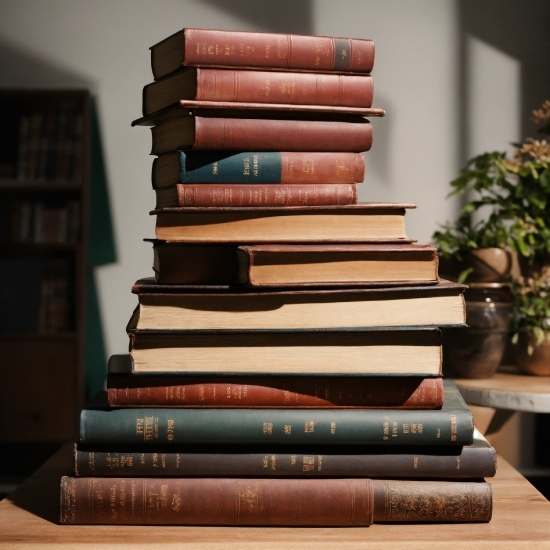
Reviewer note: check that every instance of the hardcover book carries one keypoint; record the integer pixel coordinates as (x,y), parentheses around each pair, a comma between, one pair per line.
(180,307)
(234,501)
(477,460)
(364,222)
(257,167)
(451,425)
(295,265)
(242,86)
(221,48)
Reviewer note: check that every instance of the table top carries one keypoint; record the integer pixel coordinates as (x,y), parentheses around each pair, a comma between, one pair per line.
(508,390)
(28,517)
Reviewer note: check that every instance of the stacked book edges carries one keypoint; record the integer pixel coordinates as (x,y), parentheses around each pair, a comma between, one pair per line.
(285,360)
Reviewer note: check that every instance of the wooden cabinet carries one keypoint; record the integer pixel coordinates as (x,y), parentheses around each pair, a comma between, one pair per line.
(44,186)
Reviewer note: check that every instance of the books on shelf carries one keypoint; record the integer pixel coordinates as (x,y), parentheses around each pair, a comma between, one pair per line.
(244,86)
(220,48)
(295,265)
(257,167)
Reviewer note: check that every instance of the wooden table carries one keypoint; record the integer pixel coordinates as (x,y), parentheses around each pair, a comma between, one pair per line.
(521,519)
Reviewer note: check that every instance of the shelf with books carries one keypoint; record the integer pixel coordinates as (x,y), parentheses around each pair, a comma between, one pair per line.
(44,172)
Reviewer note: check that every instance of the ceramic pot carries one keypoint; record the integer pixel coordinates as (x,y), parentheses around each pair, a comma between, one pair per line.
(489,265)
(538,362)
(476,351)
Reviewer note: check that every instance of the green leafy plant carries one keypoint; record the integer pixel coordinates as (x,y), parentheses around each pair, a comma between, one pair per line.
(515,191)
(531,306)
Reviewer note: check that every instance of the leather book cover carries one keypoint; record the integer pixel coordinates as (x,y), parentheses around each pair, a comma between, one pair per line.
(282,502)
(242,86)
(223,48)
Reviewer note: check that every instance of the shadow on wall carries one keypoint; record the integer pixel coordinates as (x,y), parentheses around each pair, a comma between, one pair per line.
(22,69)
(288,16)
(519,31)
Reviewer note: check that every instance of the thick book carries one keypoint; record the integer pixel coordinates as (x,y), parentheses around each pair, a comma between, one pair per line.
(125,389)
(243,86)
(473,461)
(275,502)
(214,195)
(263,134)
(360,223)
(396,352)
(295,265)
(222,48)
(180,307)
(451,425)
(257,167)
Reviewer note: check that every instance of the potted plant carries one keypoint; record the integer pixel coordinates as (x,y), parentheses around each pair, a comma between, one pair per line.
(511,196)
(531,322)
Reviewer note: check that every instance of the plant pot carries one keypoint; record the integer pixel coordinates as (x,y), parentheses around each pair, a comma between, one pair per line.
(538,361)
(476,351)
(488,265)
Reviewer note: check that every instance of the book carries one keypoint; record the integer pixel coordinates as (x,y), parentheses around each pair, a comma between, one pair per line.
(451,425)
(212,195)
(263,134)
(399,352)
(363,222)
(221,48)
(180,307)
(477,460)
(257,167)
(244,86)
(295,265)
(126,389)
(276,501)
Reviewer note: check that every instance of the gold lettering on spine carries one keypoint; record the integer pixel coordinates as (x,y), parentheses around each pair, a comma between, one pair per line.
(454,427)
(308,463)
(333,428)
(309,427)
(288,429)
(293,460)
(170,430)
(385,429)
(268,428)
(415,462)
(319,463)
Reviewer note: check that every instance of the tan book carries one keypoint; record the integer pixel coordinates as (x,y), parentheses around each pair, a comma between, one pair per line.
(173,307)
(295,265)
(364,222)
(396,352)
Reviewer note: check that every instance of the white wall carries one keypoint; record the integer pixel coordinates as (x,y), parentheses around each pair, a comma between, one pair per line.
(103,45)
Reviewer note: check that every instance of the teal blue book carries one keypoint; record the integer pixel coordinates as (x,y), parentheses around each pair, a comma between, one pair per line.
(451,425)
(257,167)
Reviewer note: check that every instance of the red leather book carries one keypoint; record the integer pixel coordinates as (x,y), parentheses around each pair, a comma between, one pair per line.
(258,87)
(235,501)
(261,134)
(325,194)
(125,389)
(220,48)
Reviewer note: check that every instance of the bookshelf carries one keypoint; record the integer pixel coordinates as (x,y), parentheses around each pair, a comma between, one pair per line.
(44,197)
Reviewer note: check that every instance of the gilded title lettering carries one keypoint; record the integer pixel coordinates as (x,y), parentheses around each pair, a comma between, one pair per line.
(308,463)
(268,428)
(333,428)
(170,430)
(288,429)
(454,427)
(309,427)
(215,167)
(246,167)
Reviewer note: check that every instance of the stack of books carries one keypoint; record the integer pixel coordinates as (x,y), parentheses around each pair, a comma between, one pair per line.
(285,361)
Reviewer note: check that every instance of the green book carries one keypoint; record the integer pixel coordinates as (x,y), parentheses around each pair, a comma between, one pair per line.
(451,425)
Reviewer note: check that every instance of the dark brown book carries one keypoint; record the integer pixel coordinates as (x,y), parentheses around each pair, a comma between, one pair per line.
(222,48)
(295,265)
(181,307)
(257,167)
(124,389)
(208,195)
(234,501)
(262,134)
(473,461)
(243,86)
(360,223)
(396,352)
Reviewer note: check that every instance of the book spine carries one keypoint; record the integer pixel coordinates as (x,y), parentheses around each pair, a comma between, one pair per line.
(274,426)
(287,392)
(284,87)
(280,135)
(285,51)
(325,194)
(471,462)
(271,167)
(233,501)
